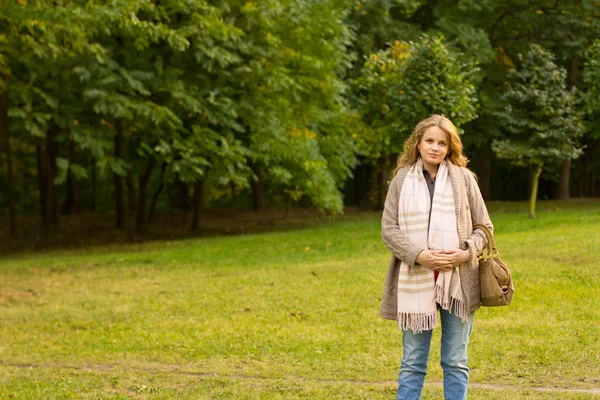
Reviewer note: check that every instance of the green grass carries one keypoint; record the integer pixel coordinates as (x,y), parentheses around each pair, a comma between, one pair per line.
(291,315)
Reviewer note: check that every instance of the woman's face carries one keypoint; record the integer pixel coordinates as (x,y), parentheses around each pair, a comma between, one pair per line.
(433,147)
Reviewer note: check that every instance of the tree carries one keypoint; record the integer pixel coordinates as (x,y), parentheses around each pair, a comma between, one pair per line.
(591,100)
(290,92)
(406,83)
(564,28)
(541,123)
(567,29)
(35,38)
(494,32)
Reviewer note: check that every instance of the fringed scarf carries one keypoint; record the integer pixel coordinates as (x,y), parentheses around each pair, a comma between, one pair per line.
(418,294)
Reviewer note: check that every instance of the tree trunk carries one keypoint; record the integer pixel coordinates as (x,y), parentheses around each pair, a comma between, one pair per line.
(565,169)
(288,205)
(534,188)
(530,180)
(184,201)
(143,190)
(94,184)
(46,166)
(387,166)
(373,182)
(305,201)
(590,166)
(485,172)
(42,171)
(72,203)
(198,202)
(361,184)
(118,179)
(52,148)
(5,142)
(258,188)
(130,190)
(563,183)
(594,162)
(157,193)
(573,73)
(585,185)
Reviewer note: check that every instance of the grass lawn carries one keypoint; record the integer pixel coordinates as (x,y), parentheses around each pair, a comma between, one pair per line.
(291,315)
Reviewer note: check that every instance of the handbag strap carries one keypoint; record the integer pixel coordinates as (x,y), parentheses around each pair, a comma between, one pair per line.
(491,243)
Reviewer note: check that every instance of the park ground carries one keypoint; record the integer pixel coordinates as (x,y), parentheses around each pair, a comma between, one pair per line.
(290,314)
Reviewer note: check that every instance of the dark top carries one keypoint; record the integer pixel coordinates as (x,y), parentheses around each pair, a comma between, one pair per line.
(431,187)
(430,184)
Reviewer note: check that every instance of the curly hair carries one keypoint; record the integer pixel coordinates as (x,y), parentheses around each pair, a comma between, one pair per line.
(410,154)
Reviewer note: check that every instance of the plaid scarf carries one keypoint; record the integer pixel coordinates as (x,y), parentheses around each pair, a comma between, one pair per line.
(418,294)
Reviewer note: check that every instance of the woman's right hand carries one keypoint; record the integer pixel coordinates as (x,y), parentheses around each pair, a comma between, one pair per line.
(432,260)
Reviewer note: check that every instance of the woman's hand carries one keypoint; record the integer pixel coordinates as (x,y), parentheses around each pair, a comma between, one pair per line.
(454,257)
(432,260)
(438,260)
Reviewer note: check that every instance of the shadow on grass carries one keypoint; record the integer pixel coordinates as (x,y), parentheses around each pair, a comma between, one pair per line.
(97,229)
(91,230)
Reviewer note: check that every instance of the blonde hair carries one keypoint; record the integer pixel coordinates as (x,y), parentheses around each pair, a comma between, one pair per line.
(410,154)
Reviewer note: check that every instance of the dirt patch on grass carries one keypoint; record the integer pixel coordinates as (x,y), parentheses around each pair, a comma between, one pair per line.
(10,295)
(168,369)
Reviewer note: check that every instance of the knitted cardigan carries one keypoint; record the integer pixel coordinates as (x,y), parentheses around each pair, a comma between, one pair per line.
(470,210)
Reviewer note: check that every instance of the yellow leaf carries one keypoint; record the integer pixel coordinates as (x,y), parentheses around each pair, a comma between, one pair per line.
(22,2)
(248,7)
(103,122)
(307,249)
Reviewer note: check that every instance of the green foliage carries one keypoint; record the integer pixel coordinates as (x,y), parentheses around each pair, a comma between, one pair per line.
(377,23)
(290,96)
(541,123)
(202,87)
(591,97)
(466,28)
(407,82)
(286,90)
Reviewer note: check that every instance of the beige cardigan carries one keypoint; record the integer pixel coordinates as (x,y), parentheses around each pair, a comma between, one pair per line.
(470,210)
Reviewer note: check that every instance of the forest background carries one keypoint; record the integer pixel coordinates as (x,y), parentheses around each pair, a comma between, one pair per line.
(122,110)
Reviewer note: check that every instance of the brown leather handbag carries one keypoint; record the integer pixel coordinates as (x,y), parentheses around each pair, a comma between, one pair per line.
(497,287)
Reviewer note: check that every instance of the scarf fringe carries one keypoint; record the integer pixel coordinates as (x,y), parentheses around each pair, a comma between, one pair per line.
(417,322)
(451,304)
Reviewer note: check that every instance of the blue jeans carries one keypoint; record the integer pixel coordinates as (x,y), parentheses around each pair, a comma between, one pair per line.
(455,340)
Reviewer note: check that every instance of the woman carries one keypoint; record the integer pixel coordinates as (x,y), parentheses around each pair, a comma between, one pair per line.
(433,201)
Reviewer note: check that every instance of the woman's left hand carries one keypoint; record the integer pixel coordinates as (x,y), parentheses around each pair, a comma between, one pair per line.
(455,257)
